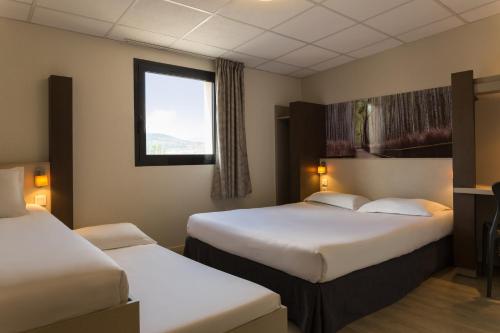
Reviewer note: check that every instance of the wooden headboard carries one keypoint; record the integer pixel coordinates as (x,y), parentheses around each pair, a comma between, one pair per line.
(29,180)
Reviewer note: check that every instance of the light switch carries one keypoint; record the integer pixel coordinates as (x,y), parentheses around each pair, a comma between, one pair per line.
(41,200)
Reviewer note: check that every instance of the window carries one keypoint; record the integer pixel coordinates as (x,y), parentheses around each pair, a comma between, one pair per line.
(174,115)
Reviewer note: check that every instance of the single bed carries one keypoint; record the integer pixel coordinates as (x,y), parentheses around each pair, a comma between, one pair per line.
(179,295)
(330,265)
(49,274)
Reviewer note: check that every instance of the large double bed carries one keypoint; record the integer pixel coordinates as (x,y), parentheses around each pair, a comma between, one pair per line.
(330,265)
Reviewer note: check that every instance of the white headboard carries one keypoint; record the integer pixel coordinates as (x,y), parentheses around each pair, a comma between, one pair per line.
(29,180)
(424,178)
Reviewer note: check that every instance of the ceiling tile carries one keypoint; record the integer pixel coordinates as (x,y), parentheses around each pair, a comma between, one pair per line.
(307,26)
(208,5)
(431,29)
(221,32)
(351,39)
(265,14)
(14,10)
(163,17)
(248,60)
(340,60)
(410,16)
(302,73)
(70,22)
(307,56)
(376,48)
(123,33)
(362,9)
(277,67)
(198,48)
(109,10)
(482,12)
(460,6)
(269,45)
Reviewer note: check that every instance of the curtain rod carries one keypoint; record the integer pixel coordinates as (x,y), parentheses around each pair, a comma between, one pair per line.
(165,48)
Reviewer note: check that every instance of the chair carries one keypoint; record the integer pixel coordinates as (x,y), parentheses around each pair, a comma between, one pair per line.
(491,234)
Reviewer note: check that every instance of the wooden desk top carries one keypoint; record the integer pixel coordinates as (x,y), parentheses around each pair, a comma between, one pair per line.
(478,190)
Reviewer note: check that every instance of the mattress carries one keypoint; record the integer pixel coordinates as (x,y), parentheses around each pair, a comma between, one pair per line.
(48,273)
(317,242)
(179,295)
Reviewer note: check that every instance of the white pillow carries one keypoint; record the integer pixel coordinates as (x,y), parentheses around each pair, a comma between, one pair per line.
(115,236)
(349,201)
(414,207)
(12,202)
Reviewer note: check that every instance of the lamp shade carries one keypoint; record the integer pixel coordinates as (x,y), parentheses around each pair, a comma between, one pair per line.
(322,168)
(41,180)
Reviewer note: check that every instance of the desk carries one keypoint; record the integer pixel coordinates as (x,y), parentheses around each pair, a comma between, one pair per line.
(473,206)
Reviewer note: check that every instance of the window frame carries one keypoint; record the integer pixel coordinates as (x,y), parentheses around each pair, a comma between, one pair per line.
(141,67)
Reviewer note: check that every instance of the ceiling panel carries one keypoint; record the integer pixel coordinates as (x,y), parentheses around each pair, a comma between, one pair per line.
(375,48)
(340,60)
(248,60)
(14,10)
(208,5)
(460,6)
(107,10)
(410,16)
(431,29)
(301,73)
(123,33)
(482,12)
(266,14)
(198,48)
(70,22)
(351,39)
(307,56)
(306,26)
(163,17)
(362,9)
(277,67)
(269,45)
(221,32)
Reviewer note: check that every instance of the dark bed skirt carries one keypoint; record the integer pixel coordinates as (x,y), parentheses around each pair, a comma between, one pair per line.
(327,307)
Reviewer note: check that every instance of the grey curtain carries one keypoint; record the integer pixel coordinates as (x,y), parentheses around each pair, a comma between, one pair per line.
(231,173)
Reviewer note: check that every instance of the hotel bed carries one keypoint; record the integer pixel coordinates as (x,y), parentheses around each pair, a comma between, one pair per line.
(49,274)
(330,265)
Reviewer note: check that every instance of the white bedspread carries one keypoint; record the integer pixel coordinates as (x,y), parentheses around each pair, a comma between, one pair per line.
(179,295)
(317,242)
(48,273)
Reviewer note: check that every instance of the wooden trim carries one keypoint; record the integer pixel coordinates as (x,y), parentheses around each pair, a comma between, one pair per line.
(274,322)
(61,147)
(123,318)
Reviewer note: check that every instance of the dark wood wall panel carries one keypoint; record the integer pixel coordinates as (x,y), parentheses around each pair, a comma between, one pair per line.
(307,146)
(464,169)
(61,147)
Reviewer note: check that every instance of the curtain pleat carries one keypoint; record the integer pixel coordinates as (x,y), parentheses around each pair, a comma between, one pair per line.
(231,173)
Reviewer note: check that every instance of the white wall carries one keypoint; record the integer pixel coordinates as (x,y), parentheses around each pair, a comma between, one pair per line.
(108,187)
(423,64)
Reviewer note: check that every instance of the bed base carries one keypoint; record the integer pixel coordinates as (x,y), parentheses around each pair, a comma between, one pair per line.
(329,306)
(274,322)
(123,318)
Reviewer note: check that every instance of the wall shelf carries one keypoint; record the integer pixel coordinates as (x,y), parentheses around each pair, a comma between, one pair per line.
(478,190)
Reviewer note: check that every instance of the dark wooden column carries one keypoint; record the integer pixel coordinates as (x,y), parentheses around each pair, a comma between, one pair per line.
(464,170)
(61,147)
(307,146)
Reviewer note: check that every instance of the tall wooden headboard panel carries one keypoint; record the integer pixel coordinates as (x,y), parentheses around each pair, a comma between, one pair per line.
(61,147)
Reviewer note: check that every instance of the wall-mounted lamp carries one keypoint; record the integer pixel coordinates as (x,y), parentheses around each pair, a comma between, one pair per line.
(322,168)
(41,179)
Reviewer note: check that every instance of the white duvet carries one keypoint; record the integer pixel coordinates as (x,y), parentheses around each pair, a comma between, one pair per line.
(48,273)
(317,242)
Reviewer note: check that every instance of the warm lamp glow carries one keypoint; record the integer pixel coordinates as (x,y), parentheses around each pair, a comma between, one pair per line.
(41,180)
(322,168)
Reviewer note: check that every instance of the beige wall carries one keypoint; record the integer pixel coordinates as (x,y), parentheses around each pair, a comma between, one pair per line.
(423,64)
(108,188)
(487,139)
